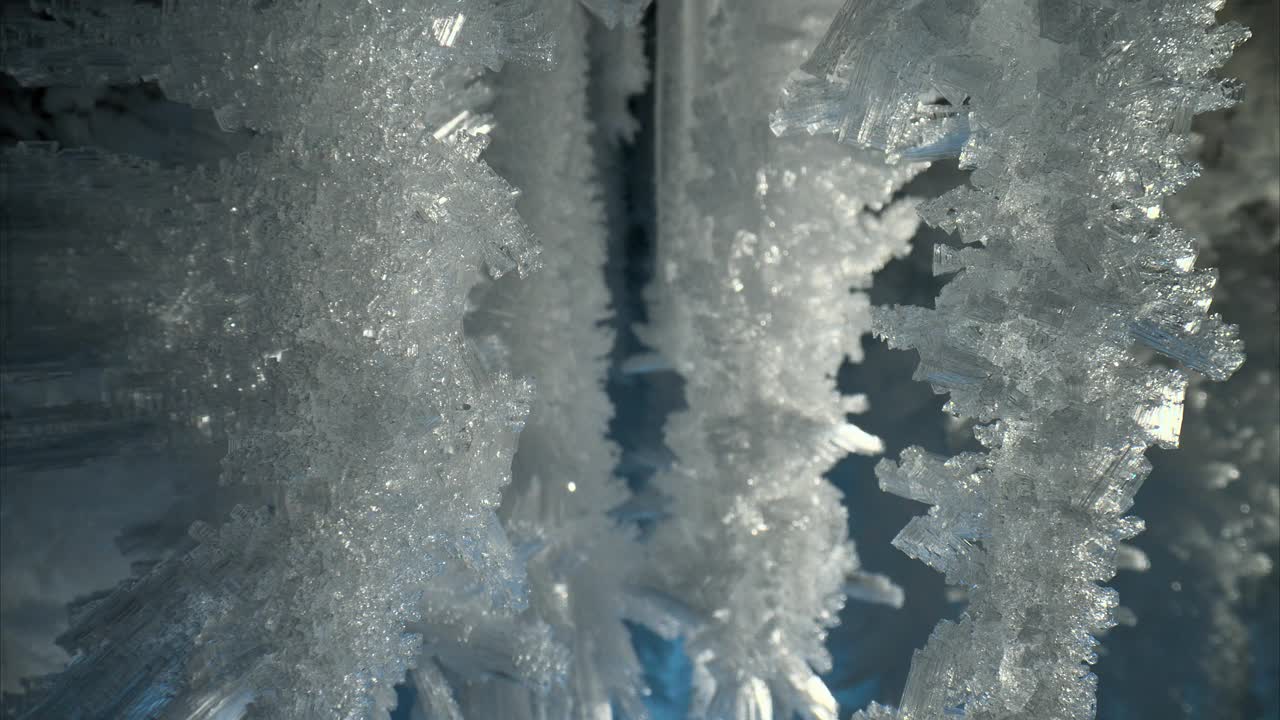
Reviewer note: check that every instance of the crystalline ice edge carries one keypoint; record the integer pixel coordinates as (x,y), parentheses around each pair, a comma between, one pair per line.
(310,294)
(762,245)
(1213,508)
(550,326)
(1074,118)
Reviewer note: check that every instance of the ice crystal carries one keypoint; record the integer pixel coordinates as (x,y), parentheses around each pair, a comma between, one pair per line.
(339,288)
(311,293)
(1214,520)
(1073,118)
(762,244)
(550,326)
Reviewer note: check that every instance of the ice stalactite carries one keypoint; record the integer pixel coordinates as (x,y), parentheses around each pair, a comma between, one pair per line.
(764,247)
(1074,118)
(552,326)
(1213,508)
(310,298)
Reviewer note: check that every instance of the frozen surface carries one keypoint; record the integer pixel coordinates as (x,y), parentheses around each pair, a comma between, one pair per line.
(1074,119)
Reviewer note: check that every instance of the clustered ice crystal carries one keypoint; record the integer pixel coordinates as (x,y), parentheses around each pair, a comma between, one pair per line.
(760,244)
(318,285)
(324,277)
(1218,532)
(352,302)
(1073,117)
(550,326)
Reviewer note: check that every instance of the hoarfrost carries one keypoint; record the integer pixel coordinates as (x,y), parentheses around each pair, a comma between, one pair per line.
(343,299)
(551,326)
(763,247)
(1215,518)
(311,292)
(1073,118)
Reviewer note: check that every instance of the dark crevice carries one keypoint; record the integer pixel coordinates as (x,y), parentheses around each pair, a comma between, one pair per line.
(871,648)
(641,401)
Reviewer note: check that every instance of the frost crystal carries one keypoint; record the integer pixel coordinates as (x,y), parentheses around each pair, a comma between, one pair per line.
(761,243)
(1073,117)
(311,293)
(550,326)
(1214,515)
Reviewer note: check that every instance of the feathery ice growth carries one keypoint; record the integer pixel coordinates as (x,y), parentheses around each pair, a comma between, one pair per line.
(763,247)
(1073,118)
(311,293)
(372,289)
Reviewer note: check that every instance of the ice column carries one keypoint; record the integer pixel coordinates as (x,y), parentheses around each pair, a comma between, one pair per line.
(763,245)
(1067,277)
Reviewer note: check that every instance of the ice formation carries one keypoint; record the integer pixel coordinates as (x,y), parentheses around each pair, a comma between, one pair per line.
(343,290)
(550,326)
(763,244)
(1214,525)
(321,283)
(1073,117)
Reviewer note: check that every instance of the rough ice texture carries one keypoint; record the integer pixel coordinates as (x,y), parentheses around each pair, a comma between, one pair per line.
(551,326)
(308,297)
(1074,118)
(95,443)
(763,246)
(1214,507)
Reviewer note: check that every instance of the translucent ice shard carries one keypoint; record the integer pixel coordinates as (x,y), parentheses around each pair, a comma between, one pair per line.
(763,247)
(1073,120)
